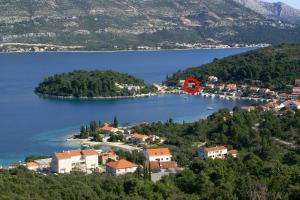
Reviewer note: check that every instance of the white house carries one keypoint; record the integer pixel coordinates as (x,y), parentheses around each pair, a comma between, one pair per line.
(161,154)
(283,96)
(120,167)
(138,138)
(233,153)
(104,156)
(33,166)
(107,128)
(296,91)
(212,79)
(210,85)
(213,152)
(84,160)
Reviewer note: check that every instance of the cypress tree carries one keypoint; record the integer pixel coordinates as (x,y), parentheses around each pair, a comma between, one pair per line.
(116,122)
(149,172)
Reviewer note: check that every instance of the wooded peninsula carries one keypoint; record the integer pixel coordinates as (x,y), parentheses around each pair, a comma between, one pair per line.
(83,84)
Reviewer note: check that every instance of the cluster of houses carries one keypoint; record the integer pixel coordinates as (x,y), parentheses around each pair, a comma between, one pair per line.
(92,160)
(213,86)
(134,138)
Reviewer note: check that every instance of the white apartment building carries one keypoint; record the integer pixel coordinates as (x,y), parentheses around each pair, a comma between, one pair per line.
(84,160)
(160,154)
(213,152)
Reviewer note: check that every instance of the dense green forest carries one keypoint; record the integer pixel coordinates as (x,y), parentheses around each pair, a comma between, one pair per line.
(264,169)
(274,66)
(92,84)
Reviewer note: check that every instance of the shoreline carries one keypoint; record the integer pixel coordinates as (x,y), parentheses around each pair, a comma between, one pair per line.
(97,98)
(127,50)
(76,141)
(67,141)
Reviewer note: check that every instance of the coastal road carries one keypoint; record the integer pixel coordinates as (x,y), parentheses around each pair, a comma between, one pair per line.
(289,144)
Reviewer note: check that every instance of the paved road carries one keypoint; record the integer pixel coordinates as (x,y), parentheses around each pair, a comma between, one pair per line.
(289,144)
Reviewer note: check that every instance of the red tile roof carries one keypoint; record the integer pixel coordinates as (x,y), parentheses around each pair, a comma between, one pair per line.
(69,154)
(296,103)
(75,152)
(160,151)
(121,164)
(296,88)
(233,151)
(31,164)
(138,136)
(217,148)
(89,152)
(107,127)
(109,154)
(161,165)
(284,95)
(62,156)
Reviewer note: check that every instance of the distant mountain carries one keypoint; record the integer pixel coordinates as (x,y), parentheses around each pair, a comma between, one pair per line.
(129,24)
(278,11)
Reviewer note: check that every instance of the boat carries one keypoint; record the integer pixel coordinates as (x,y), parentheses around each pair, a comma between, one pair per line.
(210,108)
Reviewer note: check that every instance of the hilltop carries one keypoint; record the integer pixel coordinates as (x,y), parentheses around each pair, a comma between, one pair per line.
(274,66)
(132,24)
(93,84)
(277,11)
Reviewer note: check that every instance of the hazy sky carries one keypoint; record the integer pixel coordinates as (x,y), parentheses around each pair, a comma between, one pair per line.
(294,3)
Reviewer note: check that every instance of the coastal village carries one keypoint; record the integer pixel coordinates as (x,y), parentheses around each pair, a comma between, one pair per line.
(231,91)
(157,161)
(157,158)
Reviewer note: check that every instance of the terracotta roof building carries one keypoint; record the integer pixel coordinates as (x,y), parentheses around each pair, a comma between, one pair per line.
(283,96)
(120,167)
(213,152)
(65,162)
(160,154)
(32,166)
(231,87)
(104,156)
(161,165)
(106,128)
(233,153)
(138,138)
(296,91)
(247,108)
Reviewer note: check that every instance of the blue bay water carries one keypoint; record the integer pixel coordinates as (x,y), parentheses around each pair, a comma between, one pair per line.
(34,125)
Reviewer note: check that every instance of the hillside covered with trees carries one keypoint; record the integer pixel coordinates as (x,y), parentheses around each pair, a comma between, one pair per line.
(93,84)
(264,168)
(274,66)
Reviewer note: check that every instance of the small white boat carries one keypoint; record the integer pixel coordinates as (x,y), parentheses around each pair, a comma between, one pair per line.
(210,108)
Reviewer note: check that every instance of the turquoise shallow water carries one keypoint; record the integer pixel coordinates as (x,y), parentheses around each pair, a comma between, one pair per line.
(33,125)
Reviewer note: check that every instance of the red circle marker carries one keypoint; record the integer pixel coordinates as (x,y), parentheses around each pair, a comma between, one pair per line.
(191,79)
